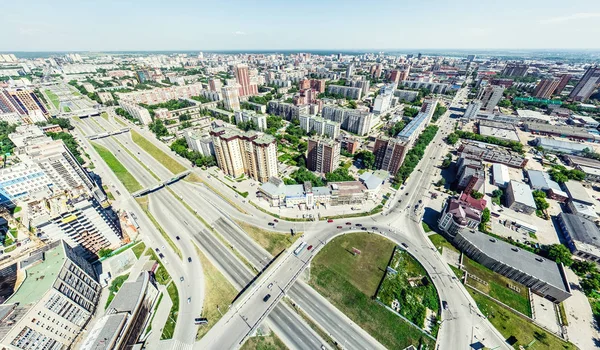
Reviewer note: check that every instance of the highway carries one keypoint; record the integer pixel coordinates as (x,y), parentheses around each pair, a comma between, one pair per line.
(164,208)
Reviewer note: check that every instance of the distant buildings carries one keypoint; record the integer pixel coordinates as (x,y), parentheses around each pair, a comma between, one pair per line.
(245,116)
(349,92)
(587,85)
(25,103)
(490,96)
(519,197)
(323,155)
(352,120)
(250,153)
(515,70)
(51,306)
(242,76)
(160,95)
(546,88)
(136,111)
(231,100)
(435,88)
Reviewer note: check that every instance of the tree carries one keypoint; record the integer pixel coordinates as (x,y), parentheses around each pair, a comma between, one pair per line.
(485,218)
(452,139)
(158,128)
(338,175)
(352,104)
(367,158)
(411,112)
(504,103)
(394,130)
(104,252)
(441,182)
(497,193)
(583,267)
(591,283)
(560,254)
(476,194)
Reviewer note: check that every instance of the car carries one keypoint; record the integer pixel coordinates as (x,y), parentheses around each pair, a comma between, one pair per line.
(339,227)
(181,278)
(189,259)
(160,255)
(330,220)
(444,304)
(359,225)
(200,321)
(157,250)
(189,300)
(420,201)
(374,228)
(348,223)
(406,194)
(363,228)
(177,237)
(309,247)
(270,285)
(267,297)
(275,220)
(404,245)
(271,224)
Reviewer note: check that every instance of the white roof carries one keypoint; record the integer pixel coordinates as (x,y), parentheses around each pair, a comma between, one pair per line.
(500,173)
(522,193)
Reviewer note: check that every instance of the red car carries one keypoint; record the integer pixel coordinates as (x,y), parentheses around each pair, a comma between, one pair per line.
(348,223)
(339,227)
(330,220)
(275,220)
(309,247)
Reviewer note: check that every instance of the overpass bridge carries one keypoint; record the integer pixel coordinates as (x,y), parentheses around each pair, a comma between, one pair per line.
(107,134)
(161,184)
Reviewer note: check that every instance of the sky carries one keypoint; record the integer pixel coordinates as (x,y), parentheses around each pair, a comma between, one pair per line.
(121,25)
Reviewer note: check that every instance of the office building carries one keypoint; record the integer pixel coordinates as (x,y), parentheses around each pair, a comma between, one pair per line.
(231,100)
(515,70)
(543,276)
(353,93)
(51,306)
(384,101)
(352,120)
(389,154)
(457,215)
(564,80)
(490,96)
(519,197)
(246,116)
(86,227)
(546,87)
(320,126)
(250,153)
(242,76)
(323,155)
(472,109)
(587,85)
(200,142)
(126,316)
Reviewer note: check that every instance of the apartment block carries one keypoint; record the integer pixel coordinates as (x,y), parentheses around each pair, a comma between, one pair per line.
(56,294)
(587,85)
(389,154)
(200,142)
(323,155)
(160,95)
(251,153)
(546,87)
(350,92)
(352,120)
(245,116)
(231,100)
(490,96)
(320,126)
(136,111)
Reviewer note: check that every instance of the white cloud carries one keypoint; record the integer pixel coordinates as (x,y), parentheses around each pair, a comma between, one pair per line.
(239,33)
(573,17)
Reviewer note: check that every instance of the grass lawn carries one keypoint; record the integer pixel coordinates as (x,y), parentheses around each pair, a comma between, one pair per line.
(426,227)
(115,285)
(130,183)
(143,202)
(157,153)
(440,242)
(66,109)
(138,249)
(273,242)
(510,324)
(264,342)
(120,122)
(169,327)
(53,98)
(218,292)
(104,115)
(161,274)
(349,282)
(497,287)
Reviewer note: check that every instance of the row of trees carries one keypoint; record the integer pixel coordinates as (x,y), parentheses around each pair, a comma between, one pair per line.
(263,100)
(64,123)
(439,111)
(394,130)
(180,147)
(158,128)
(170,105)
(561,174)
(123,113)
(459,134)
(414,155)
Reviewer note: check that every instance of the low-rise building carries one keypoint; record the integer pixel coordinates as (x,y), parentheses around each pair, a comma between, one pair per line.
(539,180)
(519,197)
(492,154)
(200,142)
(559,146)
(457,215)
(500,175)
(354,93)
(582,236)
(544,277)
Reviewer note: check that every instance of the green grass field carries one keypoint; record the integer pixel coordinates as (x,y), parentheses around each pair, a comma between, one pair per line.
(440,242)
(264,342)
(115,285)
(53,98)
(349,281)
(273,242)
(138,249)
(157,153)
(510,324)
(104,115)
(169,328)
(218,293)
(130,183)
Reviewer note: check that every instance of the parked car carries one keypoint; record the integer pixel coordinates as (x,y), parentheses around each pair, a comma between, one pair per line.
(177,237)
(275,220)
(444,304)
(181,278)
(339,227)
(348,223)
(309,247)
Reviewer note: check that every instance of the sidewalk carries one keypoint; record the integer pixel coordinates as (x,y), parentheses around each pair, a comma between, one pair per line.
(160,318)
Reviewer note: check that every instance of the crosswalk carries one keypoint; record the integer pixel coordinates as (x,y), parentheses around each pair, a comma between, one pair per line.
(176,345)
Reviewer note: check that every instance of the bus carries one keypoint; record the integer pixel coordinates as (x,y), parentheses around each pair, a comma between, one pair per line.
(300,248)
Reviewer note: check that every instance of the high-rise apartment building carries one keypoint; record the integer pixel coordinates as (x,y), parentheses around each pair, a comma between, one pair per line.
(564,80)
(490,96)
(389,154)
(53,303)
(323,155)
(242,76)
(215,85)
(200,142)
(231,99)
(248,153)
(546,87)
(136,111)
(586,86)
(320,126)
(395,76)
(353,120)
(350,70)
(515,70)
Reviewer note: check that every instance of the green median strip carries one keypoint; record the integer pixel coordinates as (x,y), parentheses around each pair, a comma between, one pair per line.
(130,183)
(143,202)
(163,158)
(169,327)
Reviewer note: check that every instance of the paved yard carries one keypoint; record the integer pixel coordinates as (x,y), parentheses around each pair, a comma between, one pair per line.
(544,314)
(581,329)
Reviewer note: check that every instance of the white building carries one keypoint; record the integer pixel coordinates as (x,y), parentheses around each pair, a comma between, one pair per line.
(383,101)
(199,142)
(245,116)
(136,111)
(472,109)
(501,176)
(231,99)
(320,125)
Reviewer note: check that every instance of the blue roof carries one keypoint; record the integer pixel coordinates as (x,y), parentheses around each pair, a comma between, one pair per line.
(414,124)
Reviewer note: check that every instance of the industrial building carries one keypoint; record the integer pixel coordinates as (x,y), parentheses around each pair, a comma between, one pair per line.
(493,154)
(559,146)
(499,130)
(519,197)
(573,133)
(540,180)
(500,175)
(582,236)
(544,277)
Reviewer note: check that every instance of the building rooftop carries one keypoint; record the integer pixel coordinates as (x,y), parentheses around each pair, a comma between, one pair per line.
(542,180)
(577,192)
(40,277)
(294,190)
(545,142)
(522,260)
(106,330)
(500,172)
(374,179)
(347,188)
(562,130)
(583,231)
(129,295)
(522,193)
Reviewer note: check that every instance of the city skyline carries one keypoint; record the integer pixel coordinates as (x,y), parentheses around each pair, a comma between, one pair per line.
(243,26)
